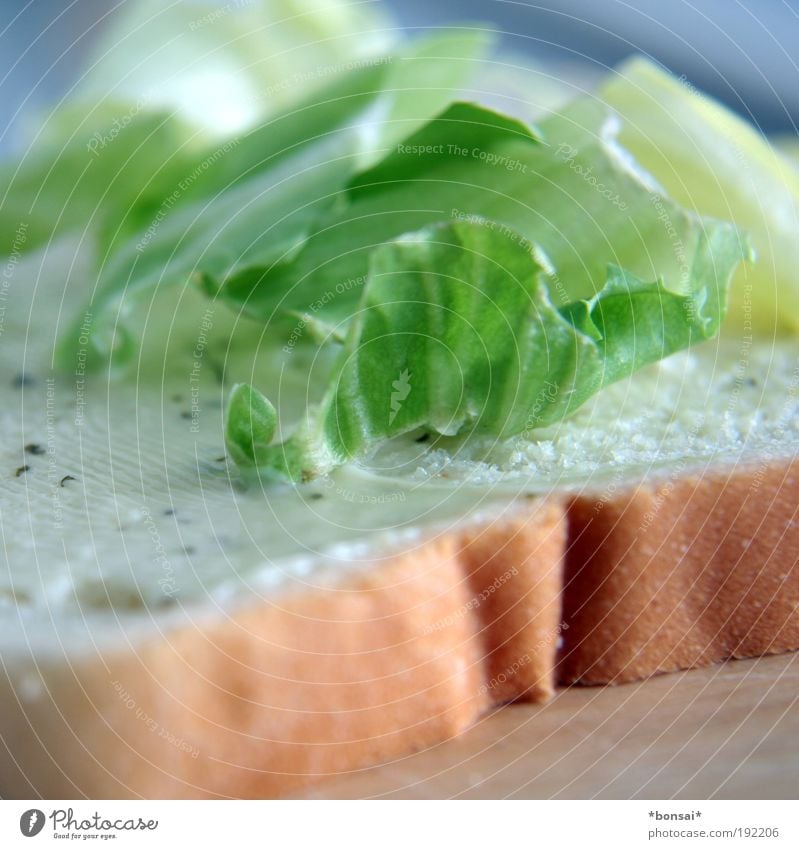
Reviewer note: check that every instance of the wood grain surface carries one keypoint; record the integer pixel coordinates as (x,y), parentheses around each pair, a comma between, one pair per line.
(729,731)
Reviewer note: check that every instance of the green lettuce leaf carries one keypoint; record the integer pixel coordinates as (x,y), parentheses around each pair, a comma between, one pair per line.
(225,67)
(715,163)
(87,166)
(166,89)
(254,201)
(456,333)
(567,186)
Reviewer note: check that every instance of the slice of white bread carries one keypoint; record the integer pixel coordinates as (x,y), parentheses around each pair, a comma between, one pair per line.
(166,634)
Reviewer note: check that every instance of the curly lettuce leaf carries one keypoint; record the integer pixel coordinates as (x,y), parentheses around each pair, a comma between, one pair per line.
(165,89)
(567,186)
(714,163)
(456,333)
(254,201)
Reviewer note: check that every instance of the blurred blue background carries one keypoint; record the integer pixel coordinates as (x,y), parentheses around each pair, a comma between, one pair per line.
(742,51)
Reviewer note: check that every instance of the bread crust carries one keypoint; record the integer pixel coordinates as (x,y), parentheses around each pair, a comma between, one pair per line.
(403,655)
(681,573)
(409,652)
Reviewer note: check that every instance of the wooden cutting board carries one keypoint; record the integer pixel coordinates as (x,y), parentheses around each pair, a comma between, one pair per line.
(730,731)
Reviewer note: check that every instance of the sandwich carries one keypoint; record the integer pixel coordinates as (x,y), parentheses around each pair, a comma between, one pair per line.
(368,395)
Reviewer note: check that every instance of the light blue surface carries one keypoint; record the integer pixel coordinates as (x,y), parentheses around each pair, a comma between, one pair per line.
(742,51)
